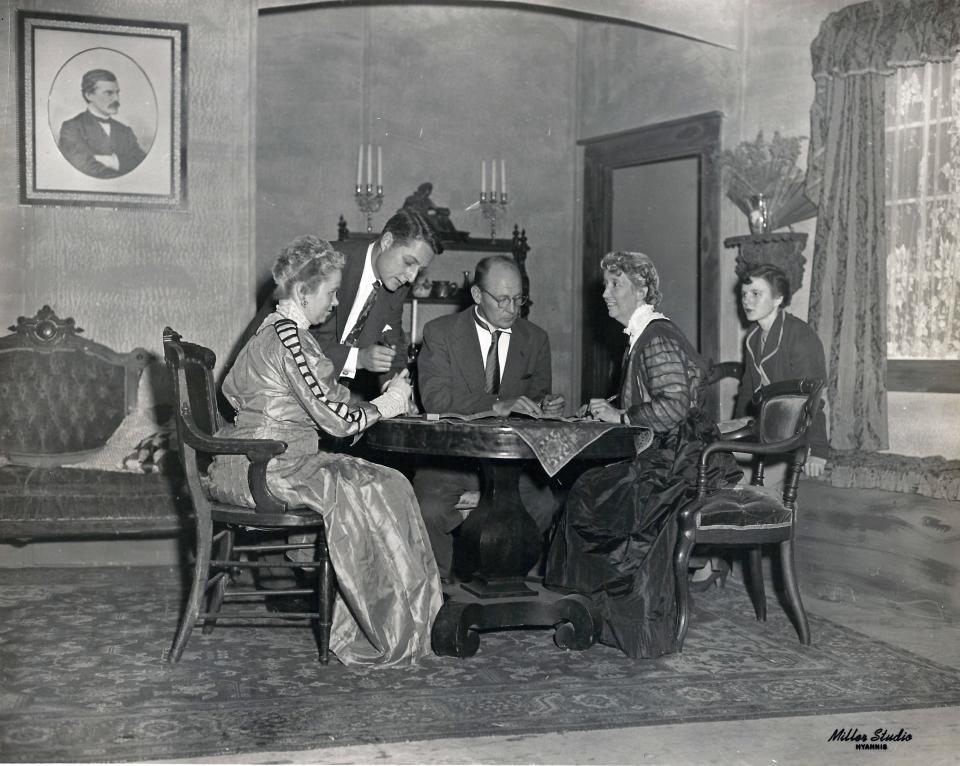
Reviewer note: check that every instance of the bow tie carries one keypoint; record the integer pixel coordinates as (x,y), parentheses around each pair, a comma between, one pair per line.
(100,119)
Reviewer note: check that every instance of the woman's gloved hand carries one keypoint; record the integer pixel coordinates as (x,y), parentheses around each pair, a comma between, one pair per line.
(395,399)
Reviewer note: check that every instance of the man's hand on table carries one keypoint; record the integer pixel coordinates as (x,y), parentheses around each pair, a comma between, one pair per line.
(552,405)
(520,404)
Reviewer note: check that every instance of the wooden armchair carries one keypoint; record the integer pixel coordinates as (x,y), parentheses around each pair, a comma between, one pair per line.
(720,370)
(748,516)
(215,580)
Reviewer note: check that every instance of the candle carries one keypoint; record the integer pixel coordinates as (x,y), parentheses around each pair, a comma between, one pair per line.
(493,173)
(369,163)
(413,321)
(360,165)
(380,166)
(503,178)
(483,176)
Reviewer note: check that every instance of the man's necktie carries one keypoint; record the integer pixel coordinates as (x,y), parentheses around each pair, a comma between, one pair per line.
(351,339)
(491,369)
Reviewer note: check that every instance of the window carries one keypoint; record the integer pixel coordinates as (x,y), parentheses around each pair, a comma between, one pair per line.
(923,227)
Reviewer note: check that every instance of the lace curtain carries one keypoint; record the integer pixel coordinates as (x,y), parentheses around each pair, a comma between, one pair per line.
(922,137)
(855,52)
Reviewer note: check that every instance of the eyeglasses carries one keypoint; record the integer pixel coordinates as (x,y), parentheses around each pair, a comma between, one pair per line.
(504,301)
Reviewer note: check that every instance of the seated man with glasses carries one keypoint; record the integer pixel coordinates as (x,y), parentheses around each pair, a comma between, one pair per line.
(484,358)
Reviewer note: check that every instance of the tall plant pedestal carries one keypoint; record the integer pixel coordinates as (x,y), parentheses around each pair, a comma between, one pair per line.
(781,249)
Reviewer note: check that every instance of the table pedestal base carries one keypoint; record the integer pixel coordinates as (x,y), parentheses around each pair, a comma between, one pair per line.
(464,613)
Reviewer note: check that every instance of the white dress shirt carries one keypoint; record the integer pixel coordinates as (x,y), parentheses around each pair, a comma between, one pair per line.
(367,278)
(503,347)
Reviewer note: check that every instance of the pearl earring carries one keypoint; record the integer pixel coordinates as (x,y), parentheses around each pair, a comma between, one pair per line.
(303,302)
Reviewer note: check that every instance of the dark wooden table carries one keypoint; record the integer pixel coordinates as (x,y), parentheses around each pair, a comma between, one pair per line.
(499,542)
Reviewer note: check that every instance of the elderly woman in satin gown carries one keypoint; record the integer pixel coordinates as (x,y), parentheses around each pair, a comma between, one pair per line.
(283,387)
(615,539)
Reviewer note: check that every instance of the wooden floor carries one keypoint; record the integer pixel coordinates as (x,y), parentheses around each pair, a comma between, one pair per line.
(882,564)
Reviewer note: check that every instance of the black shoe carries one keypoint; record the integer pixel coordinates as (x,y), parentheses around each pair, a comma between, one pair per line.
(286,604)
(718,574)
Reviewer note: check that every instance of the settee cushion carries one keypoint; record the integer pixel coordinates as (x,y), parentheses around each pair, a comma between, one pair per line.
(55,503)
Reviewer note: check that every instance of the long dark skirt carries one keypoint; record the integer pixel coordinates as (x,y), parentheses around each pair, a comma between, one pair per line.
(615,540)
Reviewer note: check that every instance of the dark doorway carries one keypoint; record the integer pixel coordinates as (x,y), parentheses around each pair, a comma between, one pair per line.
(657,190)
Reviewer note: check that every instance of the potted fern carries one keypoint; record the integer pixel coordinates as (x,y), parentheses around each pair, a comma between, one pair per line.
(763,180)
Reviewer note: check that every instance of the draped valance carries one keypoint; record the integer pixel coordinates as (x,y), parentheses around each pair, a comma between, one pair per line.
(875,37)
(881,35)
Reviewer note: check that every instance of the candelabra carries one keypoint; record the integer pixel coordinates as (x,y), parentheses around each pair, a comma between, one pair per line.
(369,202)
(493,209)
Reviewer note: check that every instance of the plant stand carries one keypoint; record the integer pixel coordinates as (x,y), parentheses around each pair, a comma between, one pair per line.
(781,249)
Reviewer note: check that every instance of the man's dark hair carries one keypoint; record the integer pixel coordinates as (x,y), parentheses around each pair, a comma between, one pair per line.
(90,79)
(776,278)
(407,225)
(485,264)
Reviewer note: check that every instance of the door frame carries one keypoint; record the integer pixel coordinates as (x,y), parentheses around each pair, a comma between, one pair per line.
(688,137)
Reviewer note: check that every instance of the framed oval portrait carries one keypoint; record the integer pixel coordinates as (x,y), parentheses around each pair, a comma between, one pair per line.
(102,111)
(88,117)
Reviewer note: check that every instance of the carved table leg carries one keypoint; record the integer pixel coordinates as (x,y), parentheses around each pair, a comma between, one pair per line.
(499,543)
(455,631)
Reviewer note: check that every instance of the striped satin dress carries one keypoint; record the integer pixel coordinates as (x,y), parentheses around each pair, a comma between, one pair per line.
(283,387)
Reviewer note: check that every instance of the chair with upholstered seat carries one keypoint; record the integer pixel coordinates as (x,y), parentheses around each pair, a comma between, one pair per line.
(215,580)
(750,516)
(717,372)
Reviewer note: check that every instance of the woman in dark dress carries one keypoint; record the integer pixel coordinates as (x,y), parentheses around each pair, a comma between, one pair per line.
(616,537)
(779,346)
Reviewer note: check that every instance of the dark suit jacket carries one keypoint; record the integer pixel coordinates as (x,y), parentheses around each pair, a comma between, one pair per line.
(450,365)
(81,137)
(388,310)
(800,355)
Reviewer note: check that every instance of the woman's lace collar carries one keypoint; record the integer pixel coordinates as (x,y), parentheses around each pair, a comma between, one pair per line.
(641,317)
(290,309)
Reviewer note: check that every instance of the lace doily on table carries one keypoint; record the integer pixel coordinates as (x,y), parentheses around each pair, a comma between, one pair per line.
(556,443)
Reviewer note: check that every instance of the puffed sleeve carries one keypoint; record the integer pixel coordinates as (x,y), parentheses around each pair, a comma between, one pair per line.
(311,378)
(662,370)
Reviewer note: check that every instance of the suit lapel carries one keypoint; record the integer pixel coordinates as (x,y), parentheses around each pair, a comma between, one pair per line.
(380,313)
(349,284)
(469,360)
(96,136)
(516,358)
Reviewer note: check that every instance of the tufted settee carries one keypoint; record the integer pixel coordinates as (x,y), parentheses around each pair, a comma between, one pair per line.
(62,399)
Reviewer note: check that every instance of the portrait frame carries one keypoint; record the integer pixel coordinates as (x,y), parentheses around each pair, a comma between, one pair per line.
(133,154)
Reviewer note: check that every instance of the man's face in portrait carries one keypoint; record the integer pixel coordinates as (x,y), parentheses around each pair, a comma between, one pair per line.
(105,97)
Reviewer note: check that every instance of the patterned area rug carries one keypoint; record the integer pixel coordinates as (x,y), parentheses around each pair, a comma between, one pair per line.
(83,677)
